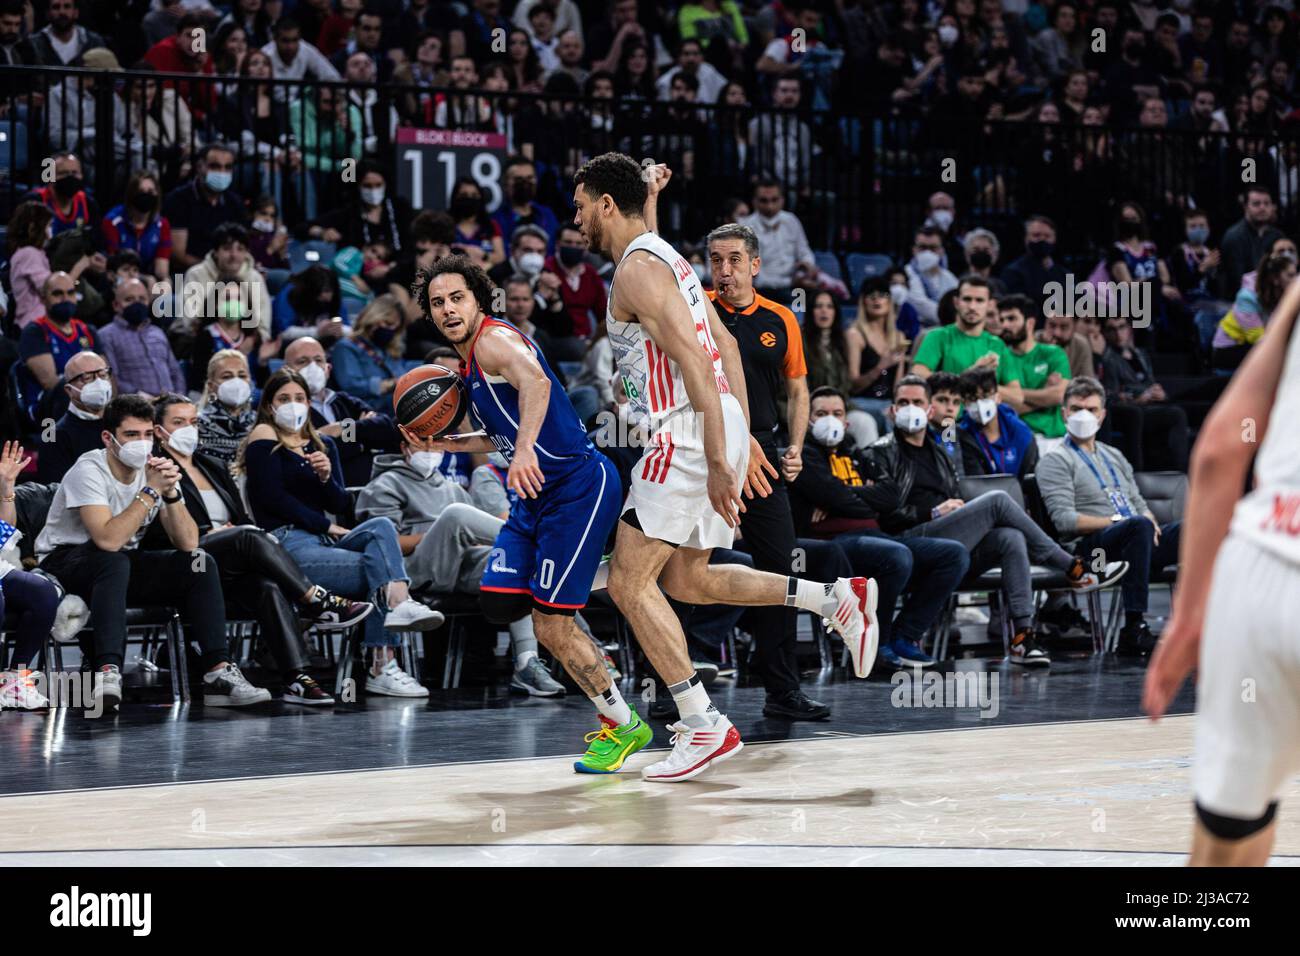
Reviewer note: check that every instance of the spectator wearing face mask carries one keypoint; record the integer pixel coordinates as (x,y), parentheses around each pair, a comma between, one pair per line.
(369,363)
(1032,272)
(941,213)
(920,497)
(993,439)
(782,243)
(1094,502)
(372,215)
(136,349)
(88,382)
(446,542)
(476,232)
(527,255)
(227,407)
(360,431)
(835,497)
(46,345)
(580,286)
(519,182)
(982,250)
(228,263)
(927,276)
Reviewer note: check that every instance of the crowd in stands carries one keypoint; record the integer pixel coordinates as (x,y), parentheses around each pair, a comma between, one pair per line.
(203,327)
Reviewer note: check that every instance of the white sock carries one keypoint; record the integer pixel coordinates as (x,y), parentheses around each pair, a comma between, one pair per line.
(522,660)
(810,596)
(692,699)
(612,706)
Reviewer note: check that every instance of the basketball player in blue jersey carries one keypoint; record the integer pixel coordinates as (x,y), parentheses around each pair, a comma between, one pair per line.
(568,494)
(681,372)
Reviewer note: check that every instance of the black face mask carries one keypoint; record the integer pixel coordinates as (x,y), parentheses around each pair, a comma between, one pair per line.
(1134,51)
(980,259)
(463,207)
(67,187)
(144,202)
(382,337)
(136,314)
(1129,229)
(1041,250)
(571,255)
(522,192)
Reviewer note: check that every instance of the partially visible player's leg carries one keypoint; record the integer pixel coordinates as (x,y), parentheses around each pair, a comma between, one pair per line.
(848,604)
(1229,841)
(1247,711)
(633,586)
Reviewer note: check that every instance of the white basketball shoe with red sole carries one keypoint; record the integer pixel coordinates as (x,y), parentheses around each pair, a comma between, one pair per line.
(855,620)
(698,743)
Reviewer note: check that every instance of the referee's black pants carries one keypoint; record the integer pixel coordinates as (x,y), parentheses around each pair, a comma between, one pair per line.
(767,530)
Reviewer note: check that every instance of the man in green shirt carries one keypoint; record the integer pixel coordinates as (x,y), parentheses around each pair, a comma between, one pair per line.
(1043,369)
(965,344)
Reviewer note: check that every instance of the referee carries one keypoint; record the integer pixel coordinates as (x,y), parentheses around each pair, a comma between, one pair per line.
(771,351)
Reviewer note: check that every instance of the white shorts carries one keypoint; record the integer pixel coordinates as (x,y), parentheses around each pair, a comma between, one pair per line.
(1248,685)
(669,490)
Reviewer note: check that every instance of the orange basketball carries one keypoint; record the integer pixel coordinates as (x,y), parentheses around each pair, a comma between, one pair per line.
(430,401)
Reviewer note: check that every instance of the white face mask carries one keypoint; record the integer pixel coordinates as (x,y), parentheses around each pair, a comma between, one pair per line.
(984,410)
(372,197)
(234,392)
(898,293)
(291,416)
(184,440)
(96,394)
(926,260)
(910,419)
(948,34)
(426,462)
(942,218)
(314,376)
(828,430)
(531,263)
(1082,425)
(134,454)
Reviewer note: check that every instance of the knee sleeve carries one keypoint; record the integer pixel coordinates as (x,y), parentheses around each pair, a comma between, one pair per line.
(1234,828)
(505,607)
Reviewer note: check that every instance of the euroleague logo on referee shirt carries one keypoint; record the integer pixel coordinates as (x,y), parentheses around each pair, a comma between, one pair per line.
(768,339)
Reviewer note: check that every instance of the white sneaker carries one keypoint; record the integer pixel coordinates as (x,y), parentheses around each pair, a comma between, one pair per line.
(699,741)
(18,691)
(228,687)
(107,695)
(395,682)
(411,615)
(854,619)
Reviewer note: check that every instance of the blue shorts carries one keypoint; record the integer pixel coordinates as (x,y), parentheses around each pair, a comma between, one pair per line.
(551,546)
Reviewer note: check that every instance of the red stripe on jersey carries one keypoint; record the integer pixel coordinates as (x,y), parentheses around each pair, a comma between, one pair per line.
(649,379)
(668,460)
(656,475)
(668,381)
(646,462)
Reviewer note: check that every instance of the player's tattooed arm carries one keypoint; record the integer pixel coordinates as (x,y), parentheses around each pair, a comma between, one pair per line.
(502,351)
(1216,475)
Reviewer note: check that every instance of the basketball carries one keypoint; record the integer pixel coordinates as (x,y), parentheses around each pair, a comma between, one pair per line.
(430,401)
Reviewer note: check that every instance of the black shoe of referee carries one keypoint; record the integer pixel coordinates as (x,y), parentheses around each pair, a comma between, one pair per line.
(795,705)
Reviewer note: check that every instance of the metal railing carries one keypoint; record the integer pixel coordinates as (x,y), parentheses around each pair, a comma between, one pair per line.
(858,182)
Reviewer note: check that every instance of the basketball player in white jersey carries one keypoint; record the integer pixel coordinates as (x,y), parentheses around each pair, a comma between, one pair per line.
(1238,585)
(680,370)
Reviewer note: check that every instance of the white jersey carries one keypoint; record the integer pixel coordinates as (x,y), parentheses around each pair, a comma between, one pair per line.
(651,380)
(1270,515)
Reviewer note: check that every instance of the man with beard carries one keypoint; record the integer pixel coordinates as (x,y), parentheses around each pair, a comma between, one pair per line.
(966,344)
(1043,369)
(62,42)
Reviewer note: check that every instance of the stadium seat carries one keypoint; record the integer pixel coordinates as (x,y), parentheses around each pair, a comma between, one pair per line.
(862,266)
(829,263)
(13,145)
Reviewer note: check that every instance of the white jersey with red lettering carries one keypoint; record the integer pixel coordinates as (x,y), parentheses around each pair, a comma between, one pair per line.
(651,380)
(668,495)
(1270,515)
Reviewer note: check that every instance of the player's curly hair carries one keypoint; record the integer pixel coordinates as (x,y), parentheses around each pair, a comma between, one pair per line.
(476,280)
(617,174)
